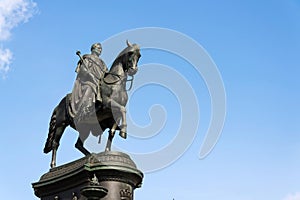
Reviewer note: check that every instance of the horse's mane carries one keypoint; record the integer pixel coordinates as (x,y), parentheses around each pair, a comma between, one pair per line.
(119,59)
(115,63)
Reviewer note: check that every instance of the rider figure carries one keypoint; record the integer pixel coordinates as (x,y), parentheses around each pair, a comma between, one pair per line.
(90,72)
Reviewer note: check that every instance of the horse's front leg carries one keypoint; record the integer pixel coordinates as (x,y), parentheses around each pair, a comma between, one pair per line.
(120,110)
(111,136)
(123,131)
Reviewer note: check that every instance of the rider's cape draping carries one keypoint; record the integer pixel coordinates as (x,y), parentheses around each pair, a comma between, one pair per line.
(86,88)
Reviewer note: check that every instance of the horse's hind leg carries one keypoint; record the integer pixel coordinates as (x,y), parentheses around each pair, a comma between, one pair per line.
(58,133)
(80,147)
(53,159)
(83,134)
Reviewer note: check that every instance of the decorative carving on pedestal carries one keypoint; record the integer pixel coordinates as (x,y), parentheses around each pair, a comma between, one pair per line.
(125,194)
(94,190)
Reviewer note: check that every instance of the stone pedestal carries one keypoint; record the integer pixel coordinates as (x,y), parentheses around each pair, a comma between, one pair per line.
(106,176)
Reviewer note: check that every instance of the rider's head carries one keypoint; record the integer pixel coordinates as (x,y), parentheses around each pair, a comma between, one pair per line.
(96,48)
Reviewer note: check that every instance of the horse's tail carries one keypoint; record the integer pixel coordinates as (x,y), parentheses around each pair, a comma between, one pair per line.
(51,133)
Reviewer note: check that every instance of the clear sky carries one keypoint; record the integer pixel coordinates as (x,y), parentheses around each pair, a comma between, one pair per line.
(255,46)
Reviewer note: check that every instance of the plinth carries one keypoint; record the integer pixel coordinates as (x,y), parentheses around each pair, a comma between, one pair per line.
(106,176)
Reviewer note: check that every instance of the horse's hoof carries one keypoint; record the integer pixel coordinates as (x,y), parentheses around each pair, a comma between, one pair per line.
(123,134)
(52,165)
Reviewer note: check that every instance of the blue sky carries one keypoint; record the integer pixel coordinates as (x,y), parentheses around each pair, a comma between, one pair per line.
(254,44)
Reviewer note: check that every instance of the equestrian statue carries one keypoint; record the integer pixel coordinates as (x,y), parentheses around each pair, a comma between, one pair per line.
(97,101)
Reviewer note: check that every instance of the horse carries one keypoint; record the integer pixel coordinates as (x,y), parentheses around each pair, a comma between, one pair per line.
(108,114)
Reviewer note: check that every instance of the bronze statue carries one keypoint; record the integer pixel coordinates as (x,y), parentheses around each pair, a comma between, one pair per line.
(109,113)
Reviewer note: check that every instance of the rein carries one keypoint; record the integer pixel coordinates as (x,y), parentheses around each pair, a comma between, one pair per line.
(131,82)
(119,78)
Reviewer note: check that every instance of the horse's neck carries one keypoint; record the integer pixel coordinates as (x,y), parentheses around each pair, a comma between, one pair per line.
(117,69)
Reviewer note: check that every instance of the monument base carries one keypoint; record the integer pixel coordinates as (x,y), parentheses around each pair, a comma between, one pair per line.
(107,176)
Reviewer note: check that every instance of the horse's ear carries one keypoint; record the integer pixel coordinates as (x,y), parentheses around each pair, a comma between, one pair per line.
(128,43)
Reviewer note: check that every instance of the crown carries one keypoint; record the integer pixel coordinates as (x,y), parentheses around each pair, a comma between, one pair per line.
(125,194)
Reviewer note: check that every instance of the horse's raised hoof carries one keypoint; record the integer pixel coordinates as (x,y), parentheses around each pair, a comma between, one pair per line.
(123,134)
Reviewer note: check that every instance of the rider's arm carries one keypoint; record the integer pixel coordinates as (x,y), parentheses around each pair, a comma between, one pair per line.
(83,71)
(78,67)
(105,67)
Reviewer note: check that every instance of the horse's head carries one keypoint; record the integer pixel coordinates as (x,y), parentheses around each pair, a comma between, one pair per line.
(131,55)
